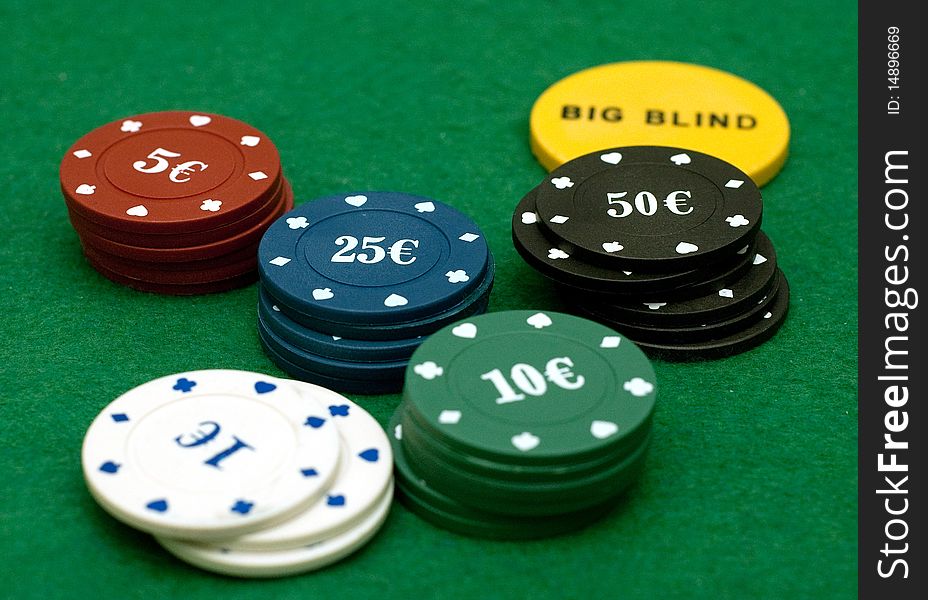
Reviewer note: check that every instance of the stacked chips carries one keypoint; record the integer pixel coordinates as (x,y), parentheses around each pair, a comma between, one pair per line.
(661,243)
(521,424)
(351,283)
(241,473)
(174,202)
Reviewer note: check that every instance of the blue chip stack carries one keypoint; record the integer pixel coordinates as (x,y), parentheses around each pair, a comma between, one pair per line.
(352,284)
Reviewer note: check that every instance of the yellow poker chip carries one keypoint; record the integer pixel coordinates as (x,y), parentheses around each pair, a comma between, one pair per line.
(661,103)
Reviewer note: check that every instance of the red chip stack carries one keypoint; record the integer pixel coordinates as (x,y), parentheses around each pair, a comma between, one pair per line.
(174,202)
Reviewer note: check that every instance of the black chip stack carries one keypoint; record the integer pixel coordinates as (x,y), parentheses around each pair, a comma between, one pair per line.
(663,244)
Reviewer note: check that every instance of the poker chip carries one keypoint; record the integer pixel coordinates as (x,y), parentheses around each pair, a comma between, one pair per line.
(341,383)
(353,376)
(706,330)
(558,261)
(172,273)
(755,332)
(724,301)
(241,473)
(208,454)
(392,370)
(331,346)
(474,302)
(650,207)
(374,257)
(160,258)
(661,103)
(363,478)
(448,513)
(571,385)
(662,244)
(293,561)
(185,242)
(423,441)
(165,172)
(552,492)
(352,284)
(182,289)
(237,246)
(524,414)
(191,190)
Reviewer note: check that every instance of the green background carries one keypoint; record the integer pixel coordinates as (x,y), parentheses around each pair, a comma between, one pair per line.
(750,487)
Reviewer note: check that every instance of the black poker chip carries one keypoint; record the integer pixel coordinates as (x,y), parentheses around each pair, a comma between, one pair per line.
(756,332)
(706,330)
(662,244)
(563,263)
(651,208)
(724,301)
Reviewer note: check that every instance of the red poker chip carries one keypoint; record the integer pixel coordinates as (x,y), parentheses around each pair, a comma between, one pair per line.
(177,240)
(211,287)
(170,172)
(142,272)
(229,249)
(201,265)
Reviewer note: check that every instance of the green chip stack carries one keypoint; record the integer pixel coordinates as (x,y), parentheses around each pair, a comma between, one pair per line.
(522,424)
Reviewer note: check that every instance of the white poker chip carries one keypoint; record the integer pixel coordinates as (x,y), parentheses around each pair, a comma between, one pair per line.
(277,563)
(209,454)
(365,471)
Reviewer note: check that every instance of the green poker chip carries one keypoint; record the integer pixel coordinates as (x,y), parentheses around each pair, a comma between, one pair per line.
(448,513)
(531,388)
(501,495)
(459,461)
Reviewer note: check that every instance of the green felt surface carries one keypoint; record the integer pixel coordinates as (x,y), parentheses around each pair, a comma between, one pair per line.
(750,487)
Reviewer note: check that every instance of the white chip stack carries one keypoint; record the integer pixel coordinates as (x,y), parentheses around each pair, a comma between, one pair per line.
(241,473)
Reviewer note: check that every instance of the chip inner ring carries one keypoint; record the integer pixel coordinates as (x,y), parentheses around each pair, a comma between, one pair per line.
(338,248)
(686,191)
(189,443)
(666,237)
(547,354)
(169,164)
(497,356)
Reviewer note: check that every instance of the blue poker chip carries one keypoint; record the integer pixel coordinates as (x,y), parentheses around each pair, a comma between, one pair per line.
(473,304)
(372,258)
(331,346)
(329,366)
(341,384)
